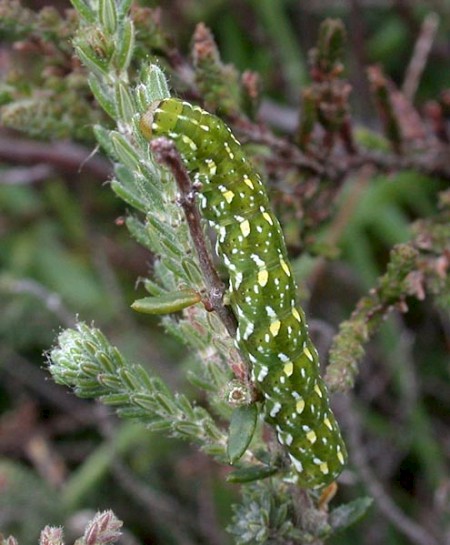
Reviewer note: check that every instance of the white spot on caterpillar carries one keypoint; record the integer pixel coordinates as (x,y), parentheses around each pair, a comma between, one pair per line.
(238,280)
(262,373)
(222,236)
(205,127)
(340,456)
(212,167)
(228,150)
(248,331)
(189,142)
(257,260)
(289,439)
(234,138)
(328,424)
(296,463)
(270,312)
(275,409)
(283,357)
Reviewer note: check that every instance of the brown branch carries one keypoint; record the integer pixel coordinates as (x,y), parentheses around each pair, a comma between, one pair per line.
(407,526)
(420,55)
(66,157)
(167,154)
(433,162)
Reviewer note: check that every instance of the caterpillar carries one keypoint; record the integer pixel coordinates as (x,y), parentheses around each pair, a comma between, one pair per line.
(272,332)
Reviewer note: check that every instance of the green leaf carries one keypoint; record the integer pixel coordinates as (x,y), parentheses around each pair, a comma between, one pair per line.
(102,95)
(155,82)
(128,196)
(107,15)
(153,288)
(251,473)
(167,303)
(345,515)
(124,102)
(92,62)
(84,10)
(242,428)
(123,8)
(125,47)
(103,137)
(124,151)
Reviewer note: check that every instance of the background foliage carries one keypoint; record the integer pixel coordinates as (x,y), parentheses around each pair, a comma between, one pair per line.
(362,197)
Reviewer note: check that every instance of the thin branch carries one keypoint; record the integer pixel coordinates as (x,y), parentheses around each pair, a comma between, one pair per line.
(166,153)
(420,55)
(27,175)
(159,506)
(51,300)
(413,531)
(65,157)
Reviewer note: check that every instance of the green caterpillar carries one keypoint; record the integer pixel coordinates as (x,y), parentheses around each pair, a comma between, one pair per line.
(272,330)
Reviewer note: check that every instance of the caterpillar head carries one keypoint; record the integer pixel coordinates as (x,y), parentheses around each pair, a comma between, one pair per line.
(159,120)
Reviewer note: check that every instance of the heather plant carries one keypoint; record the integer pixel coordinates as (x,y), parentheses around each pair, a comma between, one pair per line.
(323,180)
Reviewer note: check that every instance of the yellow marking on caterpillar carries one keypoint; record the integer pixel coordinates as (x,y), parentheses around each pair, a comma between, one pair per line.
(189,142)
(248,182)
(324,468)
(245,228)
(212,167)
(340,457)
(263,277)
(328,423)
(275,327)
(268,218)
(229,196)
(296,315)
(311,436)
(318,391)
(300,406)
(288,368)
(308,354)
(286,269)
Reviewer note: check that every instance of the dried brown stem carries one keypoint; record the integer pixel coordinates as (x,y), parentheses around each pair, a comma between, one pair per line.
(167,154)
(66,157)
(420,55)
(408,527)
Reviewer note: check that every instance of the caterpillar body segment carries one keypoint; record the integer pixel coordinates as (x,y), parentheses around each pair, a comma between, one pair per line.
(272,330)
